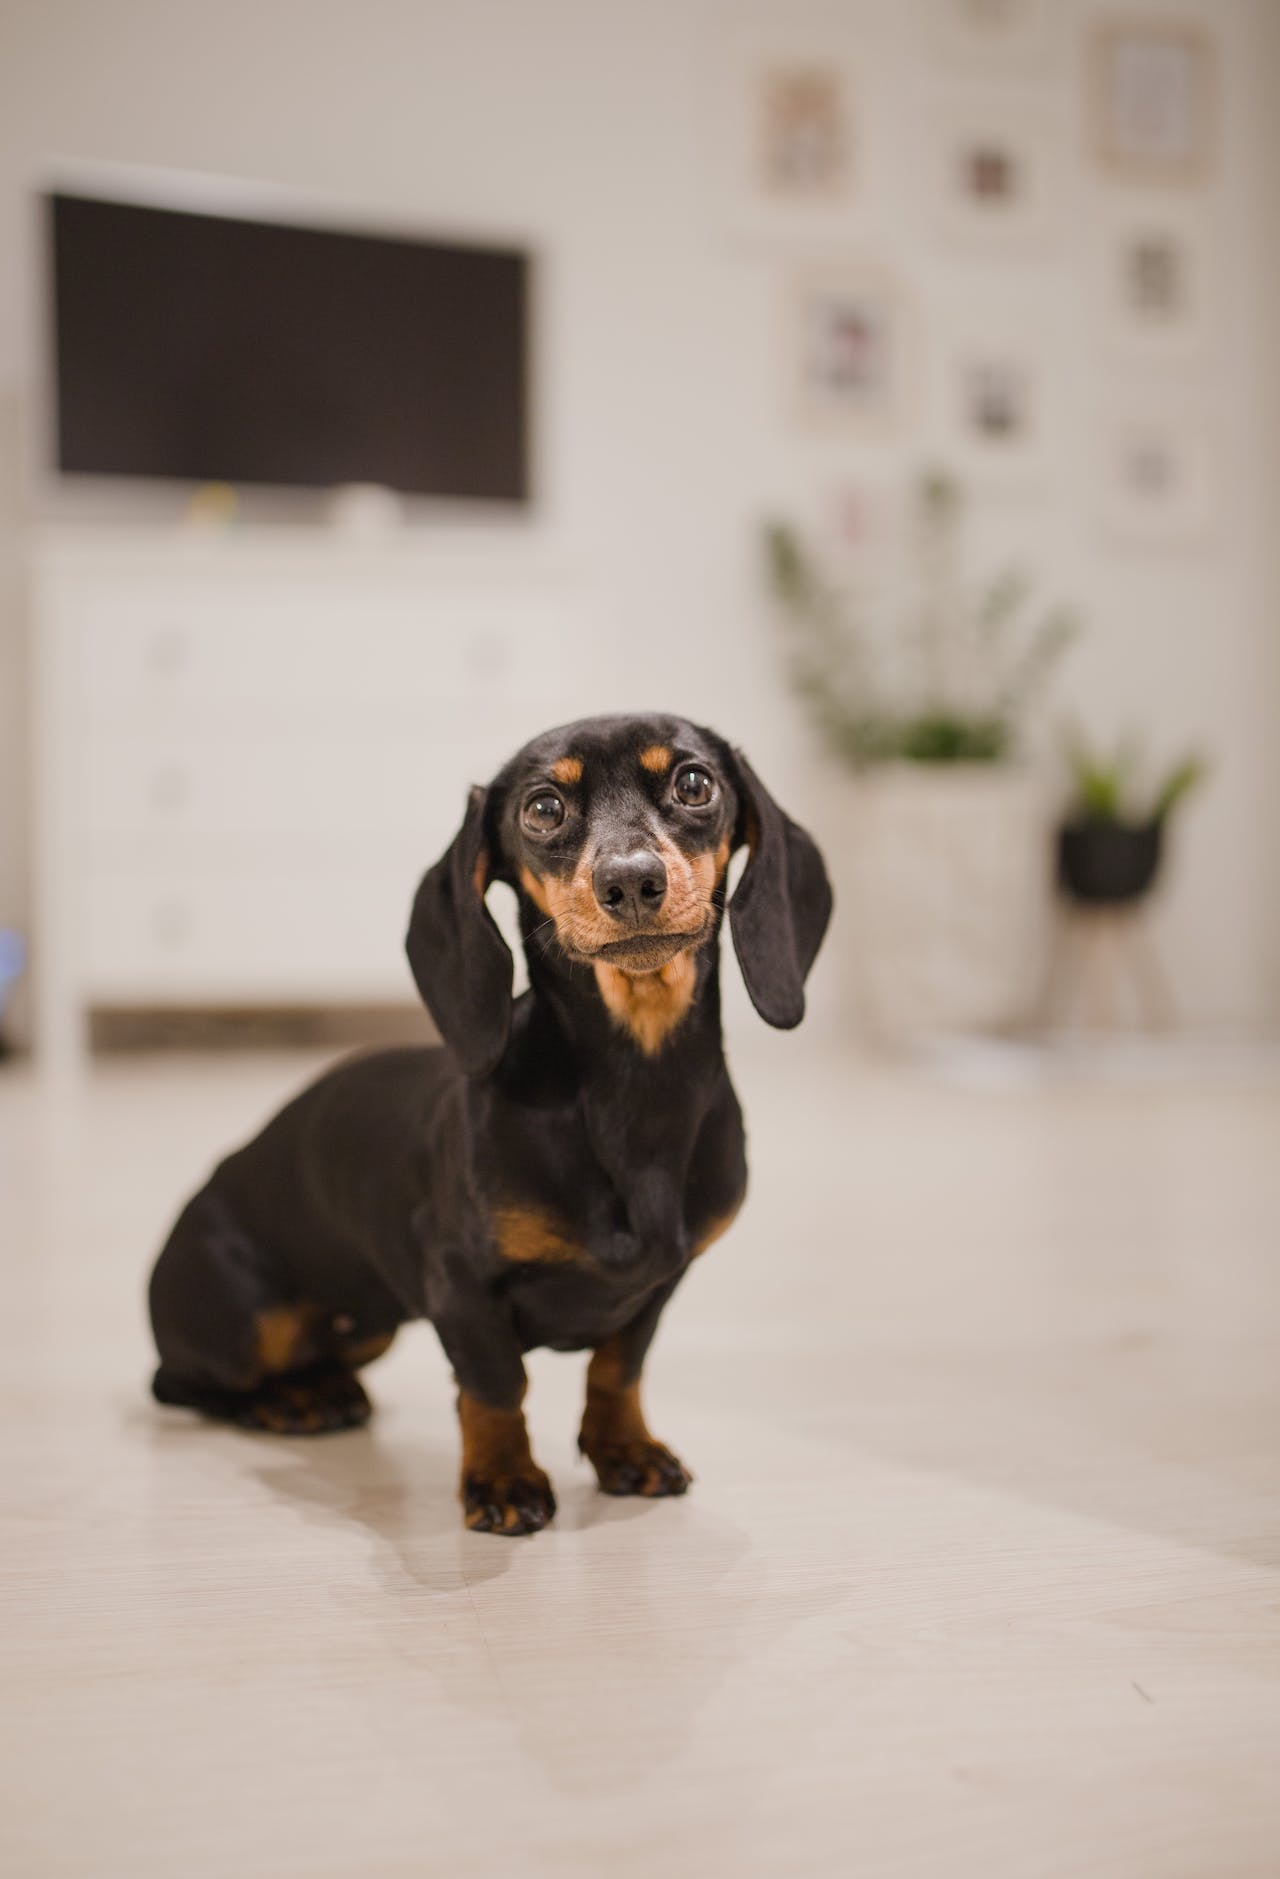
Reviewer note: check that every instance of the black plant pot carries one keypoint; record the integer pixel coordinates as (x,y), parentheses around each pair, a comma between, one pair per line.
(1108,864)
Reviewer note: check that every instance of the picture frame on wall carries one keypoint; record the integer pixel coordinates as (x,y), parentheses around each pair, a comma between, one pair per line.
(1153,100)
(788,132)
(849,351)
(1156,284)
(995,175)
(986,37)
(803,130)
(1157,481)
(996,398)
(854,522)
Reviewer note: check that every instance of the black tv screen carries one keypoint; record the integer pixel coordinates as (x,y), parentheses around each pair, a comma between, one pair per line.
(214,349)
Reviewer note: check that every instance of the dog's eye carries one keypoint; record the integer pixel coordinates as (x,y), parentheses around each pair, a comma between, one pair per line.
(694,787)
(543,812)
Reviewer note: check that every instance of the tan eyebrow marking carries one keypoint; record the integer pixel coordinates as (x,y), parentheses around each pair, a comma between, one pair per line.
(567,769)
(656,758)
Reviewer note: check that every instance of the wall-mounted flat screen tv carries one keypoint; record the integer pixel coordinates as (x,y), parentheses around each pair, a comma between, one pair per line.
(215,349)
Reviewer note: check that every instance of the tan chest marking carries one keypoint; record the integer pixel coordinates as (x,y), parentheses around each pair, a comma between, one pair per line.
(530,1236)
(649,1004)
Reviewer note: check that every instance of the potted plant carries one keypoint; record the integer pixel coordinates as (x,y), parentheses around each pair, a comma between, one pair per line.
(1111,841)
(942,858)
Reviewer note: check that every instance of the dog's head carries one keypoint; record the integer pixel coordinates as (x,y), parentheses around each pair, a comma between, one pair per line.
(617,833)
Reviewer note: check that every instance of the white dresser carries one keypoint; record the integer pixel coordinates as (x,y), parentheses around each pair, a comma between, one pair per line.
(250,745)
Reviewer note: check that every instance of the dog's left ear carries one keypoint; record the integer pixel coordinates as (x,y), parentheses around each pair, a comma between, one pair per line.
(460,962)
(782,905)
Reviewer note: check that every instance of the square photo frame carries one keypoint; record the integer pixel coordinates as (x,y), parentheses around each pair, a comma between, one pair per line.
(855,520)
(996,409)
(850,350)
(995,174)
(1155,284)
(1154,102)
(1157,480)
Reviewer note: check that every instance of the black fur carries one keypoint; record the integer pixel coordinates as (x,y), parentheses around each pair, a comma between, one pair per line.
(379,1194)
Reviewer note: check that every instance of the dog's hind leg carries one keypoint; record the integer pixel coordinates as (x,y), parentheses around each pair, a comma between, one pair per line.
(233,1344)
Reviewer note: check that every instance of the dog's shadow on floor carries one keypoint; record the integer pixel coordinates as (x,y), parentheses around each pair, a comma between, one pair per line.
(402,1495)
(392,1485)
(401,1491)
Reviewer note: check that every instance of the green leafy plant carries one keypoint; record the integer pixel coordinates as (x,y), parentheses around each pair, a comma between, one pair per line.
(968,660)
(1106,785)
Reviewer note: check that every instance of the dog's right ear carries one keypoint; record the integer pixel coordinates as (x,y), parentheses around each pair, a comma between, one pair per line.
(460,962)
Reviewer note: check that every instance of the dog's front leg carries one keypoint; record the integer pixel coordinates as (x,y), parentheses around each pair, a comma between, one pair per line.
(614,1436)
(503,1490)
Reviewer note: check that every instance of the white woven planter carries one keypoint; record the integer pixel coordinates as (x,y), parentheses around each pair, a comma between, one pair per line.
(947,878)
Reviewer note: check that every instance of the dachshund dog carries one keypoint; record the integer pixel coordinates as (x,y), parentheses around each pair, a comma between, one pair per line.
(543,1178)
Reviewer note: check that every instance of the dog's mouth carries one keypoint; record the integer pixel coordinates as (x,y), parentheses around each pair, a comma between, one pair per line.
(639,952)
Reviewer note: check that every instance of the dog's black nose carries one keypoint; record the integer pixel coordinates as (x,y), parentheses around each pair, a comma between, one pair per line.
(630,887)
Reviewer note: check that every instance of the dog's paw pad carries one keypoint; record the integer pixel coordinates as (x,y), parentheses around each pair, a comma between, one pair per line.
(508,1504)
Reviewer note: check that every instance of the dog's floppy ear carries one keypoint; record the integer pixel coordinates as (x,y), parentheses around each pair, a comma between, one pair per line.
(783,902)
(460,962)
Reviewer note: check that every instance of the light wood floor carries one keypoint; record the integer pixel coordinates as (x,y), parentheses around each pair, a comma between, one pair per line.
(981,1573)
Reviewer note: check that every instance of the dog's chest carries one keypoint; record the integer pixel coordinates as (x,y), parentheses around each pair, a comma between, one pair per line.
(595,1208)
(595,1231)
(576,1272)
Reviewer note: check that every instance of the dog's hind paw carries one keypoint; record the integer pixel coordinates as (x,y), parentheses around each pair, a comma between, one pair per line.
(508,1504)
(315,1403)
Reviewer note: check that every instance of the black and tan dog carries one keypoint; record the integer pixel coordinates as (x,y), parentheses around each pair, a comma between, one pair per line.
(546,1177)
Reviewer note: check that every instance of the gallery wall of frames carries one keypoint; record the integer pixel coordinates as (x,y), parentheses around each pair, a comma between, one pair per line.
(1007,238)
(1035,119)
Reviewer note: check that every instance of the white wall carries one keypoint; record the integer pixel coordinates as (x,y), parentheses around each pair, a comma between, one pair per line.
(1266,75)
(587,125)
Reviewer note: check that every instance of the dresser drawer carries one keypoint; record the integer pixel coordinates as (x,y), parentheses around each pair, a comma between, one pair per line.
(369,661)
(251,749)
(261,936)
(308,787)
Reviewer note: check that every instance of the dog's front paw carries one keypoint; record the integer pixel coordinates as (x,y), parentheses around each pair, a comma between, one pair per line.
(508,1504)
(639,1468)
